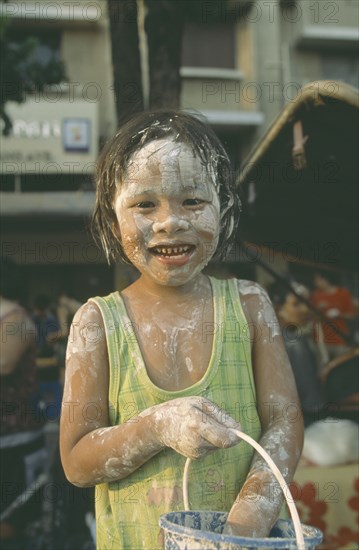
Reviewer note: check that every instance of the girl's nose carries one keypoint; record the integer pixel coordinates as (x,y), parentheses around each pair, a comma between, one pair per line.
(170,224)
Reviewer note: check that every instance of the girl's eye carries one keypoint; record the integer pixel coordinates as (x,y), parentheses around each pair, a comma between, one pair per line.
(145,204)
(193,202)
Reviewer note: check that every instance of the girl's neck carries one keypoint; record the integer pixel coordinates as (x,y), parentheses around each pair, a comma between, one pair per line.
(147,290)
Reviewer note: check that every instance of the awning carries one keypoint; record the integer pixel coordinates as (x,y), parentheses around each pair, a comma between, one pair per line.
(300,183)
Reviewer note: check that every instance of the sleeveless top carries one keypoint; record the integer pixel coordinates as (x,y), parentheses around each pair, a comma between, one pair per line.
(127,511)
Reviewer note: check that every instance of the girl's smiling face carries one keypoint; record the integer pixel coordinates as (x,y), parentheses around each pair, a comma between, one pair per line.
(168,213)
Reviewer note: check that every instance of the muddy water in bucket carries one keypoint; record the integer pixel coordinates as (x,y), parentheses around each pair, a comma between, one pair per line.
(202,530)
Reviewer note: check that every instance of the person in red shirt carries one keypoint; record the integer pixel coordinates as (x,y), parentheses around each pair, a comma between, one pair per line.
(337,305)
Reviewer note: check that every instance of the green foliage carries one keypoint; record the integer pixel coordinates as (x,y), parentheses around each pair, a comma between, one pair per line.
(20,71)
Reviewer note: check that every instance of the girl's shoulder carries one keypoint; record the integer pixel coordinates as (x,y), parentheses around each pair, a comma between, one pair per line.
(87,333)
(102,310)
(250,288)
(88,312)
(254,299)
(251,291)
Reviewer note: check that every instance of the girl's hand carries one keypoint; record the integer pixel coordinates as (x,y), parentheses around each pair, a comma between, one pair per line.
(193,426)
(245,521)
(247,518)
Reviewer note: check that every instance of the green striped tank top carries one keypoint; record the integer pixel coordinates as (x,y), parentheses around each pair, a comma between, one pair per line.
(127,511)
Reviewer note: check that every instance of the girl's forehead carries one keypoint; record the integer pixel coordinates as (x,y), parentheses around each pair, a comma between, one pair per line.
(164,156)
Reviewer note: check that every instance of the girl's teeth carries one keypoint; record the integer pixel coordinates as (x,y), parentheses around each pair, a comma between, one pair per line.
(175,250)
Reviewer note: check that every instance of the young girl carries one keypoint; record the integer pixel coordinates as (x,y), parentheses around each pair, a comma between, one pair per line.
(168,367)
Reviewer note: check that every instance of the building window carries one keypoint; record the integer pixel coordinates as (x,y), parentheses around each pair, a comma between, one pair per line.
(340,67)
(209,45)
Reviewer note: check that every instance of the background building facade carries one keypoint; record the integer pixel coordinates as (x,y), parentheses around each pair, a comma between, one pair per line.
(242,62)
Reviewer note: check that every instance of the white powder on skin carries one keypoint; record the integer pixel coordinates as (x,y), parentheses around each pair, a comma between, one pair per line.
(173,362)
(189,364)
(85,336)
(265,314)
(166,174)
(185,425)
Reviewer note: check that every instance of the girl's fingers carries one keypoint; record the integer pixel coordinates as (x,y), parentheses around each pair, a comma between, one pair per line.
(214,412)
(219,436)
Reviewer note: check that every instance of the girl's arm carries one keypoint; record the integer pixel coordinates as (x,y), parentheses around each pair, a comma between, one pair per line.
(259,502)
(92,451)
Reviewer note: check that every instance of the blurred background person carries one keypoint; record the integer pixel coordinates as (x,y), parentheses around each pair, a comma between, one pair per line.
(47,333)
(22,443)
(66,308)
(338,306)
(296,325)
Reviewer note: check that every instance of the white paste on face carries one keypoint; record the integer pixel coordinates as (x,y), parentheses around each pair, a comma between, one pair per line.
(152,207)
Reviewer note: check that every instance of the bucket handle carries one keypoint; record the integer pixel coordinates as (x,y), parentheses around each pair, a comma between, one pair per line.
(292,508)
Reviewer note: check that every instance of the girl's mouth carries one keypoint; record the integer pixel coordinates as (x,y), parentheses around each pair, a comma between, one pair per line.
(172,251)
(173,256)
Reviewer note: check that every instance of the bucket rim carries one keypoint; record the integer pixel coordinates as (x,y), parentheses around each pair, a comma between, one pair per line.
(280,542)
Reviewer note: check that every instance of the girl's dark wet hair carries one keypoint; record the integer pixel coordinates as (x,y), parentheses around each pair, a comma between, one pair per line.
(135,134)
